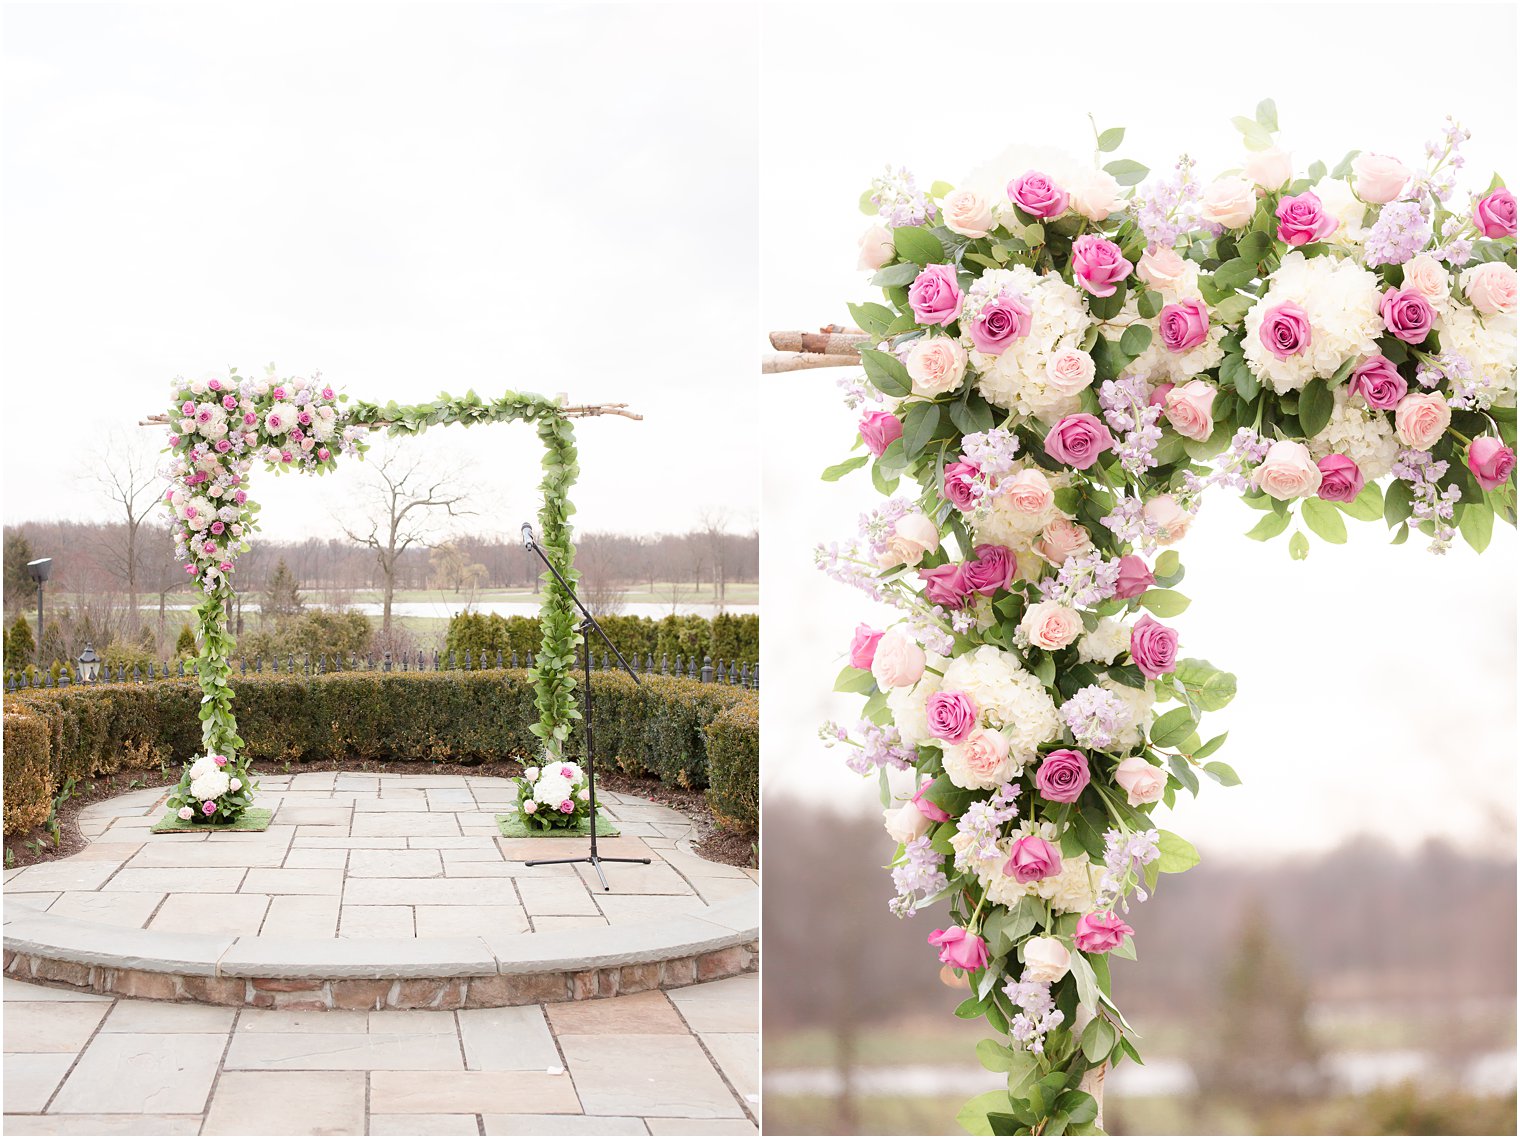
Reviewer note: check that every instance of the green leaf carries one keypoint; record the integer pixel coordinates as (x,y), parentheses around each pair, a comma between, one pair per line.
(1233,274)
(1477,524)
(973,1116)
(1150,304)
(1266,114)
(839,470)
(1168,563)
(1271,525)
(1298,546)
(1136,339)
(993,1056)
(920,422)
(1397,503)
(1127,172)
(1367,506)
(1222,773)
(1208,687)
(971,413)
(1257,137)
(854,680)
(1087,983)
(1324,519)
(1110,139)
(1315,403)
(1164,602)
(917,245)
(1177,854)
(886,372)
(897,275)
(1173,727)
(1204,750)
(1098,1040)
(873,318)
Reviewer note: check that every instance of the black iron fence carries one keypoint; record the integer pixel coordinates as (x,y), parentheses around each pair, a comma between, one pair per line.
(739,674)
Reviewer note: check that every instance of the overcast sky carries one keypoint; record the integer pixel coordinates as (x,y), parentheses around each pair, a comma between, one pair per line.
(408,198)
(1377,683)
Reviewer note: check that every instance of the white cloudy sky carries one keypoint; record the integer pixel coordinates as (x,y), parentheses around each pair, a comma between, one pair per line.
(410,198)
(1377,683)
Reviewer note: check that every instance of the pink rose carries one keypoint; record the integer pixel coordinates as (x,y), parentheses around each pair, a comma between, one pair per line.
(1302,219)
(1229,201)
(1378,178)
(217,527)
(1061,539)
(1001,321)
(1031,858)
(229,402)
(1269,168)
(1494,214)
(1078,440)
(1095,194)
(1098,265)
(208,807)
(1069,372)
(566,807)
(1490,462)
(1190,409)
(324,454)
(960,949)
(221,761)
(1378,382)
(981,759)
(1142,782)
(935,295)
(876,249)
(952,716)
(1038,196)
(1162,269)
(1285,330)
(1491,288)
(1028,493)
(1407,315)
(863,646)
(1159,394)
(1421,419)
(1340,479)
(899,661)
(529,807)
(1167,515)
(1100,932)
(1050,625)
(913,536)
(1134,578)
(929,810)
(1153,647)
(967,213)
(878,429)
(1184,325)
(959,485)
(1287,472)
(1062,776)
(946,585)
(936,364)
(1428,277)
(991,570)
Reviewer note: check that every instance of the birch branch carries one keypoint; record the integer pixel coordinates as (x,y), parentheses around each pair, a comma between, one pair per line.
(579,411)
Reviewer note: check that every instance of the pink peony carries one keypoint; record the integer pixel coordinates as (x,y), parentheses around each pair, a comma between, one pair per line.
(1100,932)
(960,949)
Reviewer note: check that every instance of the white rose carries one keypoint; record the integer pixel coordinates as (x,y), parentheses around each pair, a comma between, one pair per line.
(967,213)
(936,364)
(913,536)
(1070,372)
(1269,168)
(1229,201)
(1162,269)
(1046,960)
(876,248)
(906,823)
(1490,287)
(1379,179)
(1428,277)
(1050,625)
(1094,194)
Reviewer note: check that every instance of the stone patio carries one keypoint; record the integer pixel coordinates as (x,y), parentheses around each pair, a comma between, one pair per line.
(678,1063)
(364,878)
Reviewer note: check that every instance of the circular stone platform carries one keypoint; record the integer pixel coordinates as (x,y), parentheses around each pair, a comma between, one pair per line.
(374,891)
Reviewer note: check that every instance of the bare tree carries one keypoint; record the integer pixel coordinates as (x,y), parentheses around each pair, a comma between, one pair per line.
(713,523)
(404,497)
(127,474)
(603,571)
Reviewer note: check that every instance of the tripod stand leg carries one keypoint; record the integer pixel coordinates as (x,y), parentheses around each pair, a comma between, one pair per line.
(597,863)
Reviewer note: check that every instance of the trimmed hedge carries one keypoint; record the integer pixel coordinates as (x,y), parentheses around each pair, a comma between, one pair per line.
(661,727)
(731,638)
(733,766)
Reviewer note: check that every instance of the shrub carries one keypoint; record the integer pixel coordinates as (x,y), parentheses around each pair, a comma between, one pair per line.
(733,766)
(660,727)
(727,637)
(184,644)
(20,646)
(311,633)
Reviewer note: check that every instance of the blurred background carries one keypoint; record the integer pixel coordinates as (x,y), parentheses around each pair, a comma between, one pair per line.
(1343,959)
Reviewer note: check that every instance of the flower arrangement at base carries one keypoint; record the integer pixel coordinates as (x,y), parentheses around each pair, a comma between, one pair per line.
(554,796)
(1061,365)
(213,790)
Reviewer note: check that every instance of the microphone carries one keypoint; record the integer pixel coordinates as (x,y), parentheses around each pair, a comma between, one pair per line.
(527,535)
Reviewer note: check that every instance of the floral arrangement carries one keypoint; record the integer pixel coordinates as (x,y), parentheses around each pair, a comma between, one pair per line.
(218,428)
(1063,365)
(554,797)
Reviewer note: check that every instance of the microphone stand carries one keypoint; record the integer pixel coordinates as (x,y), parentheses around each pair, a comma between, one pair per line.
(588,622)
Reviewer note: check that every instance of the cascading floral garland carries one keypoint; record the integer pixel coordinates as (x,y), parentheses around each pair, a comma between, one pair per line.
(1065,369)
(218,428)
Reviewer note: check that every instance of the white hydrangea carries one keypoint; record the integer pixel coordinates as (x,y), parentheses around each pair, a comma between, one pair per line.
(1340,300)
(1010,699)
(909,705)
(1070,891)
(1488,344)
(1017,379)
(210,784)
(199,513)
(552,788)
(1363,434)
(1156,365)
(1340,202)
(202,766)
(280,418)
(215,425)
(1138,703)
(1104,645)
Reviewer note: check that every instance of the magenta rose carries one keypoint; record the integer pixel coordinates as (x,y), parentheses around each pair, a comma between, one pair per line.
(1407,314)
(1135,577)
(1378,382)
(1078,440)
(1153,647)
(935,295)
(1037,195)
(1302,218)
(1002,320)
(1062,776)
(1340,479)
(991,570)
(959,485)
(878,429)
(863,646)
(952,716)
(1489,460)
(1098,265)
(1031,858)
(1285,330)
(1099,932)
(928,810)
(945,585)
(1184,325)
(960,949)
(1494,214)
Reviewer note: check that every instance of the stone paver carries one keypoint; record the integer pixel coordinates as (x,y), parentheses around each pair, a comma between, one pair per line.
(647,1074)
(43,1026)
(161,1073)
(287,1103)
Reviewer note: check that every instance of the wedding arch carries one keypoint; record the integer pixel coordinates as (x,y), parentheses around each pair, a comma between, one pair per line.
(219,427)
(1059,370)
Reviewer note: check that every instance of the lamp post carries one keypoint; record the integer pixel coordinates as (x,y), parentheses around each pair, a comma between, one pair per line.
(41,570)
(89,664)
